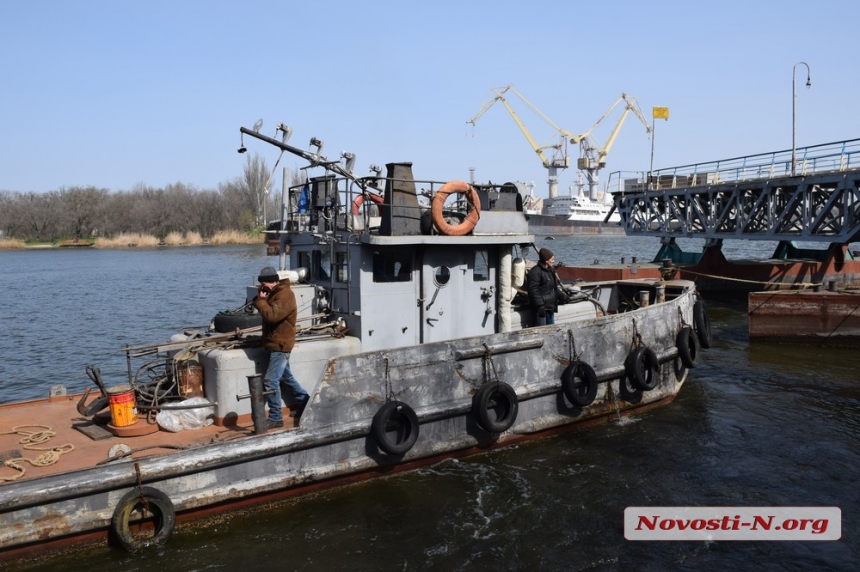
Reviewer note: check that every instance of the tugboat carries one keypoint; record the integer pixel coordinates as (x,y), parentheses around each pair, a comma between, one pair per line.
(416,344)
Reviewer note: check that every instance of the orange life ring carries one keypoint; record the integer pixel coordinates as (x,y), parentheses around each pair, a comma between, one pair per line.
(471,220)
(359,200)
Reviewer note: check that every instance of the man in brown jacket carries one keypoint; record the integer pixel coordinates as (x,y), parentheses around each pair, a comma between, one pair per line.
(277,304)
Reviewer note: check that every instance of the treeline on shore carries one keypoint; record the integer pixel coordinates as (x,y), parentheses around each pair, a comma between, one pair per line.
(175,214)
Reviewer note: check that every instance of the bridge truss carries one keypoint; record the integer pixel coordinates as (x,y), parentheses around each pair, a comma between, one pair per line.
(818,205)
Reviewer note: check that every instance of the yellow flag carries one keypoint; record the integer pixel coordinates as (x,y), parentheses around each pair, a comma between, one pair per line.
(661,113)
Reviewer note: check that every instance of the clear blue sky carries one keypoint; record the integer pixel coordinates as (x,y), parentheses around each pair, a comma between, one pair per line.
(117,93)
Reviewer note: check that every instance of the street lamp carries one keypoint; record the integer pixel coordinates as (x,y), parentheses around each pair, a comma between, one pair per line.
(794,105)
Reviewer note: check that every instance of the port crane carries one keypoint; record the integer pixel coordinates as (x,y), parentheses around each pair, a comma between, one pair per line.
(559,159)
(592,156)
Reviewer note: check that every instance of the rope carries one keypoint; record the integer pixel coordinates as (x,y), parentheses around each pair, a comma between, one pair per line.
(779,285)
(31,440)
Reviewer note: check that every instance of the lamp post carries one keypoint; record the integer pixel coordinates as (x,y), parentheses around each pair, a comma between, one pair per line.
(794,106)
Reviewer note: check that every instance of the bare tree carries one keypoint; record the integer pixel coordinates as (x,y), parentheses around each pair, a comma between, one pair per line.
(39,214)
(256,185)
(82,210)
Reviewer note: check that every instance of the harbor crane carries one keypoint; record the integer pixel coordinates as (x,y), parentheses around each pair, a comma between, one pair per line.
(559,159)
(592,156)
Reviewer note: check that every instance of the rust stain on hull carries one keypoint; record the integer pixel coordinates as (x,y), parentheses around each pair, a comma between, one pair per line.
(819,318)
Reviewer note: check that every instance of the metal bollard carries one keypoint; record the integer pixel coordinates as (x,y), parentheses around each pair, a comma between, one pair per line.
(831,285)
(258,402)
(644,298)
(661,295)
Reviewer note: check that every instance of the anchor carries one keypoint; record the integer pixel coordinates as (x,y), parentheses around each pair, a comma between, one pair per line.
(98,403)
(94,407)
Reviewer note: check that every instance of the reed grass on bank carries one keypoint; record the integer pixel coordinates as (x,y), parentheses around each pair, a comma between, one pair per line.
(131,240)
(177,239)
(11,244)
(235,237)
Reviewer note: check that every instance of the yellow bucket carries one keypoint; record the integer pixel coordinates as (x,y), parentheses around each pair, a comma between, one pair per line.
(123,409)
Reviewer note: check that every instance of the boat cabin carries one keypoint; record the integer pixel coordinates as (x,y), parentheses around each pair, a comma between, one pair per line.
(379,264)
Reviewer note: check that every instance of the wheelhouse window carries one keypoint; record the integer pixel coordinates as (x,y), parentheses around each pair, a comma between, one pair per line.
(342,271)
(393,265)
(320,265)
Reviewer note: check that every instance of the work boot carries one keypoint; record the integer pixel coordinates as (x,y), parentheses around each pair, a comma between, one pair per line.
(274,424)
(297,412)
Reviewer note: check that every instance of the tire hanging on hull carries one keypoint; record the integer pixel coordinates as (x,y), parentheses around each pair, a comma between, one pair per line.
(579,383)
(702,322)
(495,406)
(144,500)
(395,428)
(642,368)
(687,343)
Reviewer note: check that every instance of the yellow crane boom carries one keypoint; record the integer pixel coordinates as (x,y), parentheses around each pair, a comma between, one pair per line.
(559,159)
(593,156)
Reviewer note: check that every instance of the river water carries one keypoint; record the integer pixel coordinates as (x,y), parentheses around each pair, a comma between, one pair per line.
(760,425)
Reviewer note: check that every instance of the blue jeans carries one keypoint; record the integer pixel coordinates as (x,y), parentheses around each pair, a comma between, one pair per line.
(545,320)
(277,374)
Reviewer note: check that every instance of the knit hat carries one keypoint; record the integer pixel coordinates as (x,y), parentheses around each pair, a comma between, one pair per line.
(268,274)
(545,254)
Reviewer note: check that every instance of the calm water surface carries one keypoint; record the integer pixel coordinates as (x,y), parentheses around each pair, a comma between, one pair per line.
(760,425)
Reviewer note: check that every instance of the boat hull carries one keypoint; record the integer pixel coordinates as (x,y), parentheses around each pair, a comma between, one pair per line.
(562,226)
(335,442)
(808,318)
(713,273)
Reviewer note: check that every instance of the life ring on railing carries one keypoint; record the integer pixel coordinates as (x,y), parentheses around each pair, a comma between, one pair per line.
(465,227)
(395,428)
(642,368)
(495,406)
(702,322)
(687,343)
(579,383)
(359,200)
(147,501)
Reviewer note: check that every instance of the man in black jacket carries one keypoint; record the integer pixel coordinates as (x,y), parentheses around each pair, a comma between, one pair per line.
(545,290)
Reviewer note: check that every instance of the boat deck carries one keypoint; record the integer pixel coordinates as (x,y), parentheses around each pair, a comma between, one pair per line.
(57,421)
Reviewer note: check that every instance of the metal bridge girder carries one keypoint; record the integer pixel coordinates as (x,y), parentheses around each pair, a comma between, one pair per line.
(820,207)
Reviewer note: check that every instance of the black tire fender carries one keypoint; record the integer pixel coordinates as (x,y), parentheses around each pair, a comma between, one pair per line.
(146,501)
(628,391)
(702,322)
(495,406)
(687,343)
(395,428)
(642,368)
(579,383)
(223,323)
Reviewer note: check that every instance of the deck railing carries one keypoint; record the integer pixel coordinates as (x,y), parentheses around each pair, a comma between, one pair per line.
(827,157)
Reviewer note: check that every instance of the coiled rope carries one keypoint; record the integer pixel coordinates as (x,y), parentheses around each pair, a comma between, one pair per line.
(31,441)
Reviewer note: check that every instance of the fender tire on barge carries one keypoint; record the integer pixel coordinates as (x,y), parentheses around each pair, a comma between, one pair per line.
(395,428)
(702,322)
(147,499)
(579,383)
(687,343)
(495,406)
(642,368)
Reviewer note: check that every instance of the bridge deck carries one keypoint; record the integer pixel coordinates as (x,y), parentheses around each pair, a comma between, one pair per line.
(753,198)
